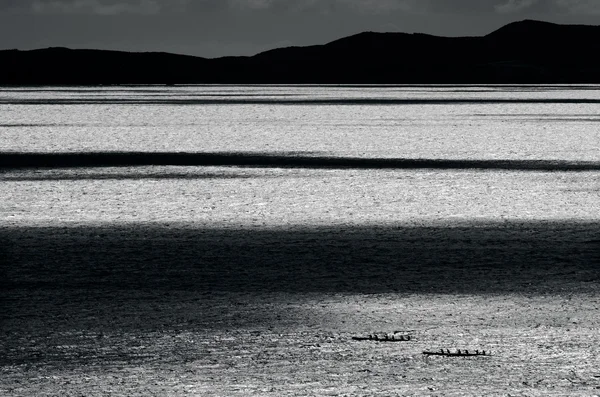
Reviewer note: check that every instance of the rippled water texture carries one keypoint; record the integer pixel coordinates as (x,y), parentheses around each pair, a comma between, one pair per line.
(556,126)
(230,241)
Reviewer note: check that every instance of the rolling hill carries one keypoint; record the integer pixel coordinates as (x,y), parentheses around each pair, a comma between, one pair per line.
(521,52)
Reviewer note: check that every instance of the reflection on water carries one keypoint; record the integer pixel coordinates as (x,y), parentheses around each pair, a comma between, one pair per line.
(491,122)
(293,196)
(408,162)
(217,228)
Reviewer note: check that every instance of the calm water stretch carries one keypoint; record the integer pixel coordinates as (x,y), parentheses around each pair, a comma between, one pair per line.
(551,126)
(231,240)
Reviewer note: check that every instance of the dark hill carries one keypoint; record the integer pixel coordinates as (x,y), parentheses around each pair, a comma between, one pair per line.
(65,66)
(521,52)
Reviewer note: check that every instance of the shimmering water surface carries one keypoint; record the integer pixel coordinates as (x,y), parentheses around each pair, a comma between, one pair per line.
(243,235)
(558,124)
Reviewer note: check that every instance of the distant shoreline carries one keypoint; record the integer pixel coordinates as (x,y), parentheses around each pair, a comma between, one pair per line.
(525,52)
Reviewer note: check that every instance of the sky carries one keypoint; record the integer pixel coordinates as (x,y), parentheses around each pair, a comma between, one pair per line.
(214,28)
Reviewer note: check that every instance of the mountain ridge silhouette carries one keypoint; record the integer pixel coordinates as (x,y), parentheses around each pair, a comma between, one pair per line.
(527,51)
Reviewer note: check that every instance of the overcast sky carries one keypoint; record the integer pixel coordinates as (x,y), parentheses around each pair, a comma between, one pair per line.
(213,28)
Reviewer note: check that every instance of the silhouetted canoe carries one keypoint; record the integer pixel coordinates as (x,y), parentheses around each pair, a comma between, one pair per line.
(401,338)
(458,353)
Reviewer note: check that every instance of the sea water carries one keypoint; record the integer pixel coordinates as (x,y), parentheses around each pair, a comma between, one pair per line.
(231,280)
(556,124)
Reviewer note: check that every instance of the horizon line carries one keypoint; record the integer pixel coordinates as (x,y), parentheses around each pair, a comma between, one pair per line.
(153,52)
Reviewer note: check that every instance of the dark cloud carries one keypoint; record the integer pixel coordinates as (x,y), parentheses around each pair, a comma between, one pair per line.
(327,6)
(98,7)
(549,7)
(581,7)
(8,5)
(149,7)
